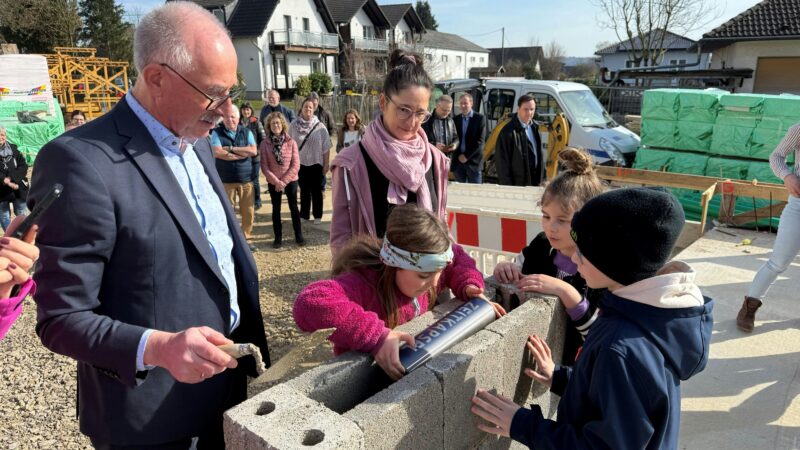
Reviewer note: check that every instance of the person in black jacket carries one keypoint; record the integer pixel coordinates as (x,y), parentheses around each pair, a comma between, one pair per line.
(14,173)
(519,157)
(440,128)
(467,161)
(544,266)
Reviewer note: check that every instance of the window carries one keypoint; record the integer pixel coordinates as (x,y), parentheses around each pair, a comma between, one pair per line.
(220,15)
(629,64)
(428,57)
(279,66)
(472,59)
(369,32)
(483,59)
(287,22)
(500,102)
(444,58)
(458,59)
(315,66)
(406,37)
(306,24)
(546,107)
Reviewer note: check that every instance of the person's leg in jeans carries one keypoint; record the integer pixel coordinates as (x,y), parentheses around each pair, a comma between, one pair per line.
(291,198)
(305,183)
(785,249)
(316,191)
(474,175)
(256,182)
(20,207)
(277,226)
(460,173)
(5,215)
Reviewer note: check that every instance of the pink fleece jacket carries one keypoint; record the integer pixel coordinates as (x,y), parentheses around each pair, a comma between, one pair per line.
(350,303)
(287,172)
(352,199)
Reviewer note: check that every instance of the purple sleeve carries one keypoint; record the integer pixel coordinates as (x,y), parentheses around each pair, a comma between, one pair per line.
(579,310)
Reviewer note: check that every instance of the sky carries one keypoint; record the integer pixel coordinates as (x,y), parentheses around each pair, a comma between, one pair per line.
(574,24)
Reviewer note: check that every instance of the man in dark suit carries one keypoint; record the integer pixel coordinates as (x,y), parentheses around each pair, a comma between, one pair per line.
(143,269)
(467,161)
(518,155)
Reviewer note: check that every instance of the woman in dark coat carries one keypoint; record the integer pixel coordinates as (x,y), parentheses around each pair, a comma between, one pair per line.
(13,174)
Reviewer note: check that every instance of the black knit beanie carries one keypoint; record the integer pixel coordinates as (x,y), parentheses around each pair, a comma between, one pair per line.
(628,233)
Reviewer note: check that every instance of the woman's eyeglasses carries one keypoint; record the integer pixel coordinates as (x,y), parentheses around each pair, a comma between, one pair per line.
(404,113)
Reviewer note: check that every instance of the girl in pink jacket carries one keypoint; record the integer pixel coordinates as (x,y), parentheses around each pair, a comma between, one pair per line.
(379,284)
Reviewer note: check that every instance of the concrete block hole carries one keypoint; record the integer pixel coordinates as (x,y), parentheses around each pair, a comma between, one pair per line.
(313,437)
(265,408)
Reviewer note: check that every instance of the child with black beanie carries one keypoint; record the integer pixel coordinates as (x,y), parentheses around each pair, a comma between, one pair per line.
(653,332)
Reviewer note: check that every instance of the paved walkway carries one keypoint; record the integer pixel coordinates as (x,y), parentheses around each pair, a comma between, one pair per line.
(748,397)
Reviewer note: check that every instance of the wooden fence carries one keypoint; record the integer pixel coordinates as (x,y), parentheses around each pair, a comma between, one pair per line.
(338,105)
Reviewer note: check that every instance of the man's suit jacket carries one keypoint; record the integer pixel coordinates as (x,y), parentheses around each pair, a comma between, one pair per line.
(473,140)
(122,251)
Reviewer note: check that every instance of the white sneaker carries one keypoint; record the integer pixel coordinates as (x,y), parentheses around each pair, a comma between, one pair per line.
(317,221)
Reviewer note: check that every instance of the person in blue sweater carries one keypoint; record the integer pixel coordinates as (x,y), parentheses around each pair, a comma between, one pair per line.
(653,332)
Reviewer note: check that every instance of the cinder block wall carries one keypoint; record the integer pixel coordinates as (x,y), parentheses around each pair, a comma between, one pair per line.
(348,403)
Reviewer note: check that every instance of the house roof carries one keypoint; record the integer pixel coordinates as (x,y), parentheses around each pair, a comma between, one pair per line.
(770,19)
(518,53)
(343,11)
(396,13)
(672,41)
(250,17)
(448,41)
(212,3)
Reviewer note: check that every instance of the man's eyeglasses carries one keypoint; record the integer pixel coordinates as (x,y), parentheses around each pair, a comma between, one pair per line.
(404,113)
(213,102)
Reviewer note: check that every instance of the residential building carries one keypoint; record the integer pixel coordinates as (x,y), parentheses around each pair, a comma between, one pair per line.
(406,26)
(678,50)
(362,27)
(517,61)
(450,56)
(278,41)
(766,39)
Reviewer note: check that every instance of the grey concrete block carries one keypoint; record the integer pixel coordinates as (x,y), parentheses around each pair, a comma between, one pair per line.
(493,442)
(284,418)
(469,365)
(408,414)
(442,309)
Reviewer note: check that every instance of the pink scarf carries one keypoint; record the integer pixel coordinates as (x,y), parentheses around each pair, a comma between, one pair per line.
(404,163)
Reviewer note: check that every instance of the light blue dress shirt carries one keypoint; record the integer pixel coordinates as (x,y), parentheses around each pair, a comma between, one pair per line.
(464,124)
(206,204)
(231,134)
(529,132)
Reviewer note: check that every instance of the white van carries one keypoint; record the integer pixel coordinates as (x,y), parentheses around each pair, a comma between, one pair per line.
(591,127)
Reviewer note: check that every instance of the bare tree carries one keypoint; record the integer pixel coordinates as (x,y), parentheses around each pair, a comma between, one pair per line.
(553,63)
(642,25)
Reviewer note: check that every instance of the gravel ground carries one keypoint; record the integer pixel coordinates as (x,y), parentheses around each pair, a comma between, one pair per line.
(37,387)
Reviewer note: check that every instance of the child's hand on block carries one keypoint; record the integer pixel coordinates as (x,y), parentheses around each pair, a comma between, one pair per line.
(507,272)
(544,361)
(474,291)
(495,409)
(388,356)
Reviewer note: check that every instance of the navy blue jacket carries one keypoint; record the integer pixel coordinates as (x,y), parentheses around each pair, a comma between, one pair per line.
(624,392)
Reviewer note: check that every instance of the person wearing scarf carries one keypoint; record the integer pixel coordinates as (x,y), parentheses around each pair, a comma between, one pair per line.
(313,143)
(14,176)
(395,153)
(280,162)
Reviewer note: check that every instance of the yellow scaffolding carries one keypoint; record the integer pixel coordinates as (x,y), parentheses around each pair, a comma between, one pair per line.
(83,81)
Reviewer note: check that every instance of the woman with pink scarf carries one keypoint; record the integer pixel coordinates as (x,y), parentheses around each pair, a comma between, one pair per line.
(393,164)
(16,259)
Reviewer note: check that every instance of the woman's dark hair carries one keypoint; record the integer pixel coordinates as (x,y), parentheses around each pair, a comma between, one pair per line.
(429,235)
(406,70)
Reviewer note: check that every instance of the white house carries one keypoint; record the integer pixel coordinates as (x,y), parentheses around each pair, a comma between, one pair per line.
(450,56)
(766,39)
(679,50)
(406,25)
(278,41)
(362,27)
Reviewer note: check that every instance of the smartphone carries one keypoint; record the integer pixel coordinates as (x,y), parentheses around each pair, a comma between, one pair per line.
(38,210)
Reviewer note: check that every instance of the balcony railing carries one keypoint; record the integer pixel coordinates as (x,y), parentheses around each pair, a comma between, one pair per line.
(380,45)
(297,38)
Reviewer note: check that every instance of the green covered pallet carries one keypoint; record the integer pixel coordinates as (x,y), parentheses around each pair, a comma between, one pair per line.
(762,172)
(658,133)
(731,140)
(784,106)
(764,141)
(652,159)
(698,106)
(660,104)
(727,168)
(740,110)
(693,136)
